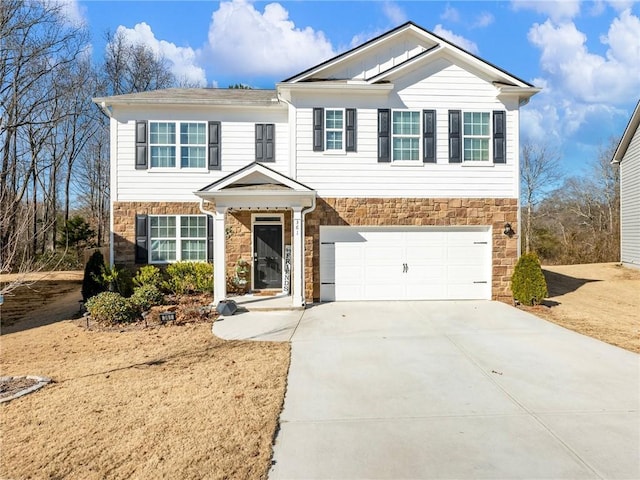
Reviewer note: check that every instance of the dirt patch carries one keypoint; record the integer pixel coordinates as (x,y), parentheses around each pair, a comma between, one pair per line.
(48,288)
(598,300)
(162,402)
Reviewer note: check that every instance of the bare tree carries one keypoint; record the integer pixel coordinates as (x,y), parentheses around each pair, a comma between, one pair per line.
(36,45)
(133,67)
(539,173)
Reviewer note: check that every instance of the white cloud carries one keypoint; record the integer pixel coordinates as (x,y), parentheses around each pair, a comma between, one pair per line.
(483,20)
(72,12)
(450,14)
(586,76)
(557,10)
(244,41)
(582,90)
(182,60)
(458,40)
(394,13)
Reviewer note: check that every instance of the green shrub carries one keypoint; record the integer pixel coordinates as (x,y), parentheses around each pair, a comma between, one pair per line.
(189,277)
(146,296)
(117,279)
(92,283)
(111,307)
(148,275)
(528,284)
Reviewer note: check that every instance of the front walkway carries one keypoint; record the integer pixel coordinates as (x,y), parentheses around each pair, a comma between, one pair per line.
(452,390)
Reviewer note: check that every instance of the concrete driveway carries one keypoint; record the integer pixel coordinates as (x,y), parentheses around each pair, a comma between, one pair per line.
(454,390)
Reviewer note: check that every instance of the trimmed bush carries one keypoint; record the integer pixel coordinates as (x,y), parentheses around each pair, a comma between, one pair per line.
(117,279)
(112,308)
(189,277)
(146,296)
(148,275)
(528,284)
(92,282)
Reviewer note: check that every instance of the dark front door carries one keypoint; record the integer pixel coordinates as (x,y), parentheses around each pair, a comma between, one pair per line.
(267,256)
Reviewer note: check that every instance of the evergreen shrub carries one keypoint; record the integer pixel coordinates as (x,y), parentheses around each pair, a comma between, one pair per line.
(528,284)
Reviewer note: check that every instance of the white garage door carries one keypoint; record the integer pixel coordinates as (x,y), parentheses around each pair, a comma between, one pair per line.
(377,263)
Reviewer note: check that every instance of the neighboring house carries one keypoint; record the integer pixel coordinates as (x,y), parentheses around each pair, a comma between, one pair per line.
(627,156)
(386,173)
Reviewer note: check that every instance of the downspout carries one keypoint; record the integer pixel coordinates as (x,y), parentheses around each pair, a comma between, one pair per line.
(207,212)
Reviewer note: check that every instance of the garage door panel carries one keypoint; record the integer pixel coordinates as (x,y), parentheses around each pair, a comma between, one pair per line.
(368,263)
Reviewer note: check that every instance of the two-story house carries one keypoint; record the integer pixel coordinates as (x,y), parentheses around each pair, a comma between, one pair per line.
(389,172)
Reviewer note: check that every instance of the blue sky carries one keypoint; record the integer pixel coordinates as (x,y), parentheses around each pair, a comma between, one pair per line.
(585,55)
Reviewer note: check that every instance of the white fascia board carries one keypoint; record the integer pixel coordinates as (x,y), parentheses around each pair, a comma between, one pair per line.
(286,89)
(258,199)
(258,168)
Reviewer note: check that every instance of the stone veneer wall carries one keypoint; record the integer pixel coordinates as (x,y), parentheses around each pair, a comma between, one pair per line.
(238,229)
(344,211)
(417,212)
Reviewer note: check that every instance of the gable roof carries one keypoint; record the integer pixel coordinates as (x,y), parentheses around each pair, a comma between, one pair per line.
(256,175)
(627,136)
(196,96)
(316,73)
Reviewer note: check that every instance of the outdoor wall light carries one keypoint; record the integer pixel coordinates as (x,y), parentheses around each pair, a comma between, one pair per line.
(508,231)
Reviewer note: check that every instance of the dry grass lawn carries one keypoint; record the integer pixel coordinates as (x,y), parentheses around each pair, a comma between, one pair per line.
(599,300)
(168,402)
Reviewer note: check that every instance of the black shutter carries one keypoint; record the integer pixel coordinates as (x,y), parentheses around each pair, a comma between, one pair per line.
(142,239)
(141,145)
(429,136)
(214,146)
(265,142)
(209,238)
(499,140)
(318,129)
(384,140)
(455,154)
(350,129)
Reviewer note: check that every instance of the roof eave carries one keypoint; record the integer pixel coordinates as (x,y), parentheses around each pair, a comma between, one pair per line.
(627,136)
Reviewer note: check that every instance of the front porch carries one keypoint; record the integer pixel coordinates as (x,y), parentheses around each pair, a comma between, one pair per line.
(258,217)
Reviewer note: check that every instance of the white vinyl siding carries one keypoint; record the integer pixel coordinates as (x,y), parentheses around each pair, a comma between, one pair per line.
(630,204)
(166,185)
(177,237)
(441,86)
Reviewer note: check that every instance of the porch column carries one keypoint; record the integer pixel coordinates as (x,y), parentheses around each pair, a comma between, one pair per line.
(297,252)
(219,257)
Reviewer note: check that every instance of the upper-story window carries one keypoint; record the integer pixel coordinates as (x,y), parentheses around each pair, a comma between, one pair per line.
(334,129)
(405,135)
(165,143)
(476,128)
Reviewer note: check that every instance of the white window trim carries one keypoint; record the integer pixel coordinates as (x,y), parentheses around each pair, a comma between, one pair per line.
(407,163)
(335,151)
(178,161)
(477,163)
(178,238)
(255,221)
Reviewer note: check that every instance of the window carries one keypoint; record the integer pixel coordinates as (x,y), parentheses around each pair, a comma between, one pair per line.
(405,135)
(164,144)
(193,141)
(180,237)
(334,129)
(476,134)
